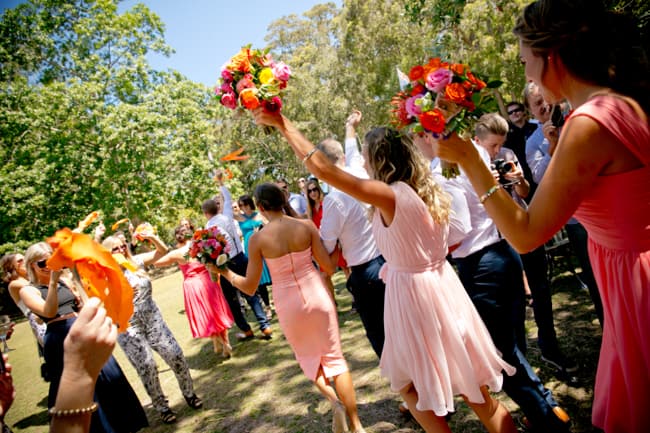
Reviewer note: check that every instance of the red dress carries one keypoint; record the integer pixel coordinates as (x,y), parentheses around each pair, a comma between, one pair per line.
(616,214)
(317,217)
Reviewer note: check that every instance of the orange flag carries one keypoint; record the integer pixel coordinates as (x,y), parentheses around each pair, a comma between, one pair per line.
(235,156)
(100,274)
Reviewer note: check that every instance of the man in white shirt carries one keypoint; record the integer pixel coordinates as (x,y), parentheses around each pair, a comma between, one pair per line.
(238,263)
(345,220)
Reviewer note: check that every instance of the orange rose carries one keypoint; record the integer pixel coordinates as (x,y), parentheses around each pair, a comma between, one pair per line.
(433,121)
(249,99)
(416,73)
(457,68)
(480,84)
(241,61)
(455,92)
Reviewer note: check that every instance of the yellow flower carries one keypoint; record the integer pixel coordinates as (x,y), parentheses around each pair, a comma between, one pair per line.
(266,75)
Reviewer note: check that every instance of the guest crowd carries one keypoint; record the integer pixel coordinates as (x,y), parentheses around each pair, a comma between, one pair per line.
(441,269)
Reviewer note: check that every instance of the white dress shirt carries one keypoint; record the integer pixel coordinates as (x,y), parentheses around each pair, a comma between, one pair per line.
(460,223)
(229,227)
(345,219)
(483,230)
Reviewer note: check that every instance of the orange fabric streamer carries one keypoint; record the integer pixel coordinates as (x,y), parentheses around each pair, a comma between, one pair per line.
(84,223)
(119,223)
(235,156)
(100,274)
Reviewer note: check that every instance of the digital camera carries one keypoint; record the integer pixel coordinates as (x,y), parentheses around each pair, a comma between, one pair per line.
(503,167)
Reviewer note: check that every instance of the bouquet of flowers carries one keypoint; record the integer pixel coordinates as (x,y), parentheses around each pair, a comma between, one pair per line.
(142,230)
(442,98)
(209,246)
(252,79)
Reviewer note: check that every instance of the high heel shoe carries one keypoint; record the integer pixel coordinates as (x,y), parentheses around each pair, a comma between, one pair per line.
(339,418)
(227,351)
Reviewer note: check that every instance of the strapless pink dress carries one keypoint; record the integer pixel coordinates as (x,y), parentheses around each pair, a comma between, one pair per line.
(307,314)
(205,306)
(616,214)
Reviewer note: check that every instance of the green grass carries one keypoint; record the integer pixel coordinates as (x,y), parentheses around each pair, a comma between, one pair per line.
(262,389)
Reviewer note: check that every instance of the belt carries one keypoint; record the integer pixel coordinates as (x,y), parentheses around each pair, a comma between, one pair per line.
(61,318)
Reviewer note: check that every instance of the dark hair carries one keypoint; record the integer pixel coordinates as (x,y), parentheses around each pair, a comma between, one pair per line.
(311,203)
(513,103)
(247,200)
(271,197)
(210,207)
(182,234)
(596,45)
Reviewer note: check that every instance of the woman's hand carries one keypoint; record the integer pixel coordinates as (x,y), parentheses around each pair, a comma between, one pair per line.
(263,117)
(455,149)
(89,343)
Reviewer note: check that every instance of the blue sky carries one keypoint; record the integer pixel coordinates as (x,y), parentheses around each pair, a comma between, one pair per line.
(206,33)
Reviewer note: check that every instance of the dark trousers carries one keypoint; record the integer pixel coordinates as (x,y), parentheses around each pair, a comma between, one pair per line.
(578,240)
(368,292)
(493,280)
(238,264)
(536,267)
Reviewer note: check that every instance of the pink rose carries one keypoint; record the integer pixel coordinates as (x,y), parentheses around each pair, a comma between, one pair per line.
(226,75)
(438,79)
(244,83)
(412,109)
(281,71)
(228,100)
(273,105)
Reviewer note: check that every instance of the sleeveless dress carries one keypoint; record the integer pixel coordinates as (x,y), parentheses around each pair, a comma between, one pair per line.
(205,305)
(616,214)
(307,314)
(434,335)
(113,393)
(247,228)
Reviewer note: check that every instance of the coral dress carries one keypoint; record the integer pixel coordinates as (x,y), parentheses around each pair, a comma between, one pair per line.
(205,306)
(616,214)
(307,314)
(434,335)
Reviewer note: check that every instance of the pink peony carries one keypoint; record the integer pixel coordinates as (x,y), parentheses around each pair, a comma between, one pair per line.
(438,79)
(412,109)
(244,83)
(281,71)
(229,100)
(226,75)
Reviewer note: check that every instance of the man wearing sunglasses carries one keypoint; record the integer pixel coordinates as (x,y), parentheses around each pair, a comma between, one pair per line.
(519,129)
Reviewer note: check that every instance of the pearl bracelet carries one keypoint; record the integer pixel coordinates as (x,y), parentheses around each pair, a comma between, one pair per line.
(54,412)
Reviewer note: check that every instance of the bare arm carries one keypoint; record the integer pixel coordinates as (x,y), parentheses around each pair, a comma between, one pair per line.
(246,283)
(176,256)
(32,298)
(318,251)
(570,175)
(374,192)
(152,256)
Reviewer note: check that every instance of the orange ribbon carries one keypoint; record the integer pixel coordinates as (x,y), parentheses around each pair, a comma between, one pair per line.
(84,223)
(100,274)
(235,156)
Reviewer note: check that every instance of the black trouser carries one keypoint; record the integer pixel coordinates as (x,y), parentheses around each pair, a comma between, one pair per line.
(368,291)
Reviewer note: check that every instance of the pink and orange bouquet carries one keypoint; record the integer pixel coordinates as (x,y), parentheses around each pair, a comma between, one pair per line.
(142,230)
(252,79)
(209,246)
(442,98)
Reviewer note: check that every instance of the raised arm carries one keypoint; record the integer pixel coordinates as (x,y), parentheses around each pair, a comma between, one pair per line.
(176,256)
(353,157)
(374,192)
(152,256)
(570,175)
(32,298)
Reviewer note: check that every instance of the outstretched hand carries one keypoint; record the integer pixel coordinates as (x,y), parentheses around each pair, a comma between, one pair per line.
(263,117)
(354,119)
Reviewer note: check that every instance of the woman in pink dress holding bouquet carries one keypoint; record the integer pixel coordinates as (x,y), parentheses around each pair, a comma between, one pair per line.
(600,170)
(206,308)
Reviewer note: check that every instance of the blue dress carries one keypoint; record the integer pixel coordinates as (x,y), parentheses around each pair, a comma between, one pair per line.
(248,227)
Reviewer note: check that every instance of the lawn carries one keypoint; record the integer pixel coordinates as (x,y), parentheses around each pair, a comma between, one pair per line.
(262,389)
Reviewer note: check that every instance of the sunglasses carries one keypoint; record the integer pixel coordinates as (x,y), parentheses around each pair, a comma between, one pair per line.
(312,189)
(515,110)
(42,263)
(119,248)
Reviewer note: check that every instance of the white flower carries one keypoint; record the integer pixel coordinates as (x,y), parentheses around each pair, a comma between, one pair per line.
(222,259)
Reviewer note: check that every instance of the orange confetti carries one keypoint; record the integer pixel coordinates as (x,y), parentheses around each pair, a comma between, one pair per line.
(119,223)
(235,156)
(100,274)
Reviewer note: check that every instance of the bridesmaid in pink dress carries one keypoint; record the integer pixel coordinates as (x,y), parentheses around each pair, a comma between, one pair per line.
(600,170)
(304,306)
(436,345)
(206,308)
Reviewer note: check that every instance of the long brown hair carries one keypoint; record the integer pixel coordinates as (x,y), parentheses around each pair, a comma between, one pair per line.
(394,157)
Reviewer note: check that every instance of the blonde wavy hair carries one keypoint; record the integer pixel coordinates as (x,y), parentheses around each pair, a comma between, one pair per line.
(393,157)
